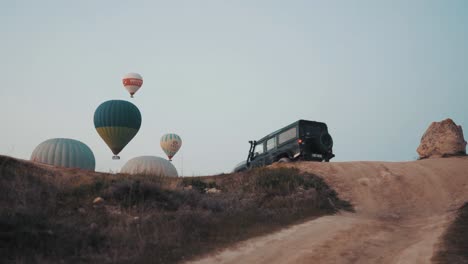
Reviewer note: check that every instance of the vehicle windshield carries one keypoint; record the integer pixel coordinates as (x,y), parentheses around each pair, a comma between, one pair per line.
(258,149)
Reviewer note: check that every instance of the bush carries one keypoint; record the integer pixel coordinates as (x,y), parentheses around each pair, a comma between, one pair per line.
(278,182)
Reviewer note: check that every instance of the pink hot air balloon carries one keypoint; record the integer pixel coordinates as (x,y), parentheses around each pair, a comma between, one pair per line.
(132,82)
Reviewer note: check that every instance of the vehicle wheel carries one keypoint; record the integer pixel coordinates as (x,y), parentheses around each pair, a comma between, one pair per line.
(284,160)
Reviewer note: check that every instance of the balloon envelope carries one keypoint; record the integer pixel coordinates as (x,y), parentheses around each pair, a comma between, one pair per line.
(117,122)
(150,165)
(170,144)
(132,82)
(64,152)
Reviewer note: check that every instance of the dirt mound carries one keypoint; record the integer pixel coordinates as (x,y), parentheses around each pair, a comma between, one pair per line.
(402,211)
(398,189)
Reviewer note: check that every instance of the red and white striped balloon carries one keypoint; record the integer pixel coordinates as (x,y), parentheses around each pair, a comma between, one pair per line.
(132,82)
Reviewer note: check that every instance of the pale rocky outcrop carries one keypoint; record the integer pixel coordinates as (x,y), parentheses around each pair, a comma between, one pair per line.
(442,139)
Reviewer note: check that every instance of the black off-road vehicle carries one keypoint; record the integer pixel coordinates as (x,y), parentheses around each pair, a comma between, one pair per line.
(301,140)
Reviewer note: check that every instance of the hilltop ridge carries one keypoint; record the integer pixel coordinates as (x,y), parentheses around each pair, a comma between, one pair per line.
(360,211)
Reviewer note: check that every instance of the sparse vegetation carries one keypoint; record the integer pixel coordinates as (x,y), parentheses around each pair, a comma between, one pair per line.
(198,184)
(48,216)
(455,240)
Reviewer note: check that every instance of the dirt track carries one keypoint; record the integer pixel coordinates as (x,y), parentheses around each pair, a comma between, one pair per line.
(402,208)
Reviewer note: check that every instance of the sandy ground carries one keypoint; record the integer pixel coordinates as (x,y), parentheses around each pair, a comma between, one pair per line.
(402,209)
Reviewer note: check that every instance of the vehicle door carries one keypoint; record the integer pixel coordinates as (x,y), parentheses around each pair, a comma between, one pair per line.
(258,158)
(270,148)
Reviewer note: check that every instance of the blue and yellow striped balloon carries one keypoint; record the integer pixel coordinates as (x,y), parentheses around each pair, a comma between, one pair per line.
(117,122)
(171,143)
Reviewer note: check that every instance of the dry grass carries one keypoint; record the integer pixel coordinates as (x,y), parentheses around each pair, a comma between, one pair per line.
(47,214)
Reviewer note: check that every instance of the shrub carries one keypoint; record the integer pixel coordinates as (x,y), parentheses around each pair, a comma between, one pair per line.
(278,182)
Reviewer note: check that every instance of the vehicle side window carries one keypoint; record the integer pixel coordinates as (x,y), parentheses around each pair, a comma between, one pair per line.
(259,149)
(287,135)
(271,143)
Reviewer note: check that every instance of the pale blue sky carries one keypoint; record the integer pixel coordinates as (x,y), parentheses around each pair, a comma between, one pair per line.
(219,73)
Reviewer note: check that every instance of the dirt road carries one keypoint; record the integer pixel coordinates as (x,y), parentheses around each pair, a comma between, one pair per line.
(402,209)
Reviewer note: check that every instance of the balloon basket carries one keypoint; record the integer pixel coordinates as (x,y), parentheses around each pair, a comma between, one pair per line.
(115,157)
(131,96)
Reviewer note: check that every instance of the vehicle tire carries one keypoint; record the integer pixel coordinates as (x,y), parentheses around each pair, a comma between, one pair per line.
(284,160)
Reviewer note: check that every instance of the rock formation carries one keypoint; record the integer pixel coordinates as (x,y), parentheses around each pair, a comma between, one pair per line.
(442,139)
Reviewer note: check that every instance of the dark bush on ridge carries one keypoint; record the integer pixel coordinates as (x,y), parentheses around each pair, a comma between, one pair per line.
(285,181)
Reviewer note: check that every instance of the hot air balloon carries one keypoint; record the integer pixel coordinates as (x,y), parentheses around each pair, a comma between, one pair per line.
(170,143)
(132,82)
(149,165)
(117,122)
(64,152)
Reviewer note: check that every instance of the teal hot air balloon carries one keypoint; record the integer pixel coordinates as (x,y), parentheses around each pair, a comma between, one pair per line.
(64,152)
(117,122)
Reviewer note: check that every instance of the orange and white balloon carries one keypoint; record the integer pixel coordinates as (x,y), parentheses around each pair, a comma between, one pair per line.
(132,82)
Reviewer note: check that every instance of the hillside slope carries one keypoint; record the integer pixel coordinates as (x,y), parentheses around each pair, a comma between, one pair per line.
(51,215)
(402,210)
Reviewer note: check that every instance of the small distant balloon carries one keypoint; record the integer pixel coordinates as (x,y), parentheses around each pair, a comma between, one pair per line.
(132,82)
(170,144)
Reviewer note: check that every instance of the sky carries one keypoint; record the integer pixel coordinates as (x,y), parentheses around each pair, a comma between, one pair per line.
(220,73)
